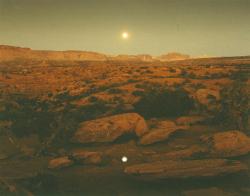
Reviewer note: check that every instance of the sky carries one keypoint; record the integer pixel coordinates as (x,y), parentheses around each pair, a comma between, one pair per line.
(194,27)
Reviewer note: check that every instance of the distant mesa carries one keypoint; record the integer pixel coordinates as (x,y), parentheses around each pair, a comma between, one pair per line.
(174,56)
(11,53)
(140,57)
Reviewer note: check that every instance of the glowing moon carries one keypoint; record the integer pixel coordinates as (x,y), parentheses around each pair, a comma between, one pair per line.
(125,35)
(124,159)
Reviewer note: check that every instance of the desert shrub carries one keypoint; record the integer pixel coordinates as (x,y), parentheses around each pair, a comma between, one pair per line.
(52,119)
(218,75)
(144,67)
(148,72)
(138,93)
(41,183)
(199,85)
(149,86)
(86,112)
(29,116)
(172,70)
(240,75)
(235,109)
(50,94)
(132,81)
(162,102)
(117,100)
(63,96)
(115,91)
(183,73)
(93,89)
(191,75)
(139,85)
(93,99)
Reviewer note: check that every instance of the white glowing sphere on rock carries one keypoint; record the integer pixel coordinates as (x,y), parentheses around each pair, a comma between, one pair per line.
(124,159)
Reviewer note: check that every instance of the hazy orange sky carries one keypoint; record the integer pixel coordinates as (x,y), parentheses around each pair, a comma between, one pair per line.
(195,27)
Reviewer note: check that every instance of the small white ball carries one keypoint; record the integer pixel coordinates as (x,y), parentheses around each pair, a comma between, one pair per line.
(124,159)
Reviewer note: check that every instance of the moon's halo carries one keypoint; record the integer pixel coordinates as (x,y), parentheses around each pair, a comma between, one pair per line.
(125,35)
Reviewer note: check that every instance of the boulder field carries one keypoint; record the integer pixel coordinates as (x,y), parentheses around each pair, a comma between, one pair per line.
(204,159)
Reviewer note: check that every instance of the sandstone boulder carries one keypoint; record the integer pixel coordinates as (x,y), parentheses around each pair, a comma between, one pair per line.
(184,169)
(155,135)
(204,96)
(209,98)
(162,132)
(60,162)
(228,144)
(108,129)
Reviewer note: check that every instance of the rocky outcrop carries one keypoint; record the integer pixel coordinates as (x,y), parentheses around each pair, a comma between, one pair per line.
(185,169)
(110,128)
(162,132)
(228,144)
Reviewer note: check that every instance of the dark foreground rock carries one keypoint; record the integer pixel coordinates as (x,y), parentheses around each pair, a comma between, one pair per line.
(213,191)
(110,128)
(185,169)
(228,144)
(9,149)
(10,188)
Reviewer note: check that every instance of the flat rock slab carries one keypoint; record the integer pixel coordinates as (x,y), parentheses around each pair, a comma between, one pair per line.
(110,128)
(21,169)
(60,162)
(87,157)
(162,132)
(185,169)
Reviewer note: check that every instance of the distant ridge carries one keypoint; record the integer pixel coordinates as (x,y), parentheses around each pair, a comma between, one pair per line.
(9,53)
(12,52)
